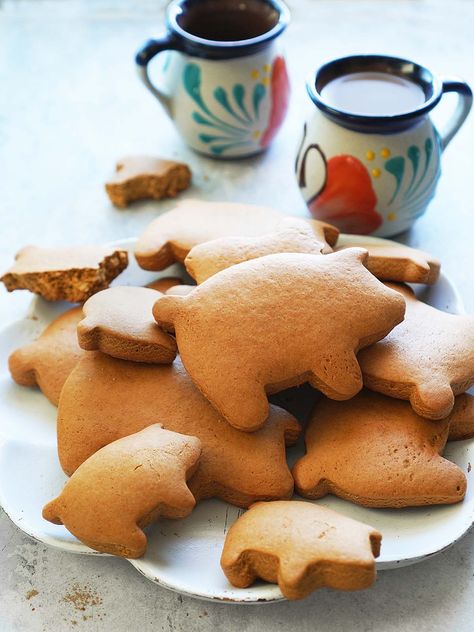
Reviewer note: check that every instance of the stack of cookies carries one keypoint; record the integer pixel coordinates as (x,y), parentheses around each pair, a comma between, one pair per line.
(162,391)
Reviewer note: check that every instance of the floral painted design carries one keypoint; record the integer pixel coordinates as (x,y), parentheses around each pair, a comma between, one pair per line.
(233,121)
(344,195)
(348,198)
(413,186)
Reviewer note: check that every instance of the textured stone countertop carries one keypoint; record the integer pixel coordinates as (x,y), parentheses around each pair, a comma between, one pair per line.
(70,104)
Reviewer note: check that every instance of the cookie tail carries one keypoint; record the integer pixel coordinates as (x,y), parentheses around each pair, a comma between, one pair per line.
(50,512)
(165,311)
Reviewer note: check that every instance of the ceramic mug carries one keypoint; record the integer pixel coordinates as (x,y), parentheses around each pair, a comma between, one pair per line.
(374,172)
(224,83)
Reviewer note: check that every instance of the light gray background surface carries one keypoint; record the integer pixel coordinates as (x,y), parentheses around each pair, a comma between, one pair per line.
(70,105)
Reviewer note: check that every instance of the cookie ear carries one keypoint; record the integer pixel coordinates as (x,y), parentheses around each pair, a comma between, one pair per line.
(166,309)
(353,254)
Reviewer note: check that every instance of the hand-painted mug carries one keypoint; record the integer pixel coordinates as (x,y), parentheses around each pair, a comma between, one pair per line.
(224,82)
(369,160)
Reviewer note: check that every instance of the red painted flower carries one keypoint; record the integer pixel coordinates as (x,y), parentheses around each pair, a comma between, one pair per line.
(348,199)
(280,96)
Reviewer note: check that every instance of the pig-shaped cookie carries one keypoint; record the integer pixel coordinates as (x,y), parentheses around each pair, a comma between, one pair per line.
(277,321)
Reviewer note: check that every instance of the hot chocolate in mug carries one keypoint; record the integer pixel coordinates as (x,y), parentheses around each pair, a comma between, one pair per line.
(369,159)
(224,81)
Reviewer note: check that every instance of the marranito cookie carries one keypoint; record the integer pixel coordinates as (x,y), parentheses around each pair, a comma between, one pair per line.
(65,274)
(124,487)
(302,547)
(171,236)
(391,261)
(105,399)
(428,359)
(377,452)
(291,235)
(141,177)
(49,360)
(119,322)
(270,323)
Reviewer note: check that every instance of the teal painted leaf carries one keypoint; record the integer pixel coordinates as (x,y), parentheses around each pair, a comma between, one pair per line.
(258,94)
(198,118)
(220,149)
(220,96)
(396,167)
(238,93)
(208,138)
(219,125)
(192,84)
(428,153)
(413,154)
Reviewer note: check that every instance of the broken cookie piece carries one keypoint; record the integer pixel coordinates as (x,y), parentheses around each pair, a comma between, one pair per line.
(142,177)
(65,274)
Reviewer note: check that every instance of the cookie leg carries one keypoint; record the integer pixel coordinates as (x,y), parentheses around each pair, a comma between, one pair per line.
(243,404)
(337,375)
(308,478)
(432,400)
(290,576)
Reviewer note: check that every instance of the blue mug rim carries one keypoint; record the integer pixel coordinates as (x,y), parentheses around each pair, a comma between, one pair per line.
(221,48)
(399,66)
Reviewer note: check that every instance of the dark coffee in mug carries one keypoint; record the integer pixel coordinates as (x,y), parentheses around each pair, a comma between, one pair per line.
(228,20)
(373,94)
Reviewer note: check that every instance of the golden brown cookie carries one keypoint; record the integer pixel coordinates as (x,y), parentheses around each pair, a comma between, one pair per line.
(271,323)
(164,283)
(141,177)
(391,261)
(171,236)
(428,359)
(106,399)
(291,235)
(124,487)
(300,546)
(180,290)
(461,419)
(377,452)
(119,322)
(47,361)
(65,274)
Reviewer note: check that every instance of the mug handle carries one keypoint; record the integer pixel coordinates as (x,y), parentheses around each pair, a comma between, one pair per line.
(145,55)
(461,111)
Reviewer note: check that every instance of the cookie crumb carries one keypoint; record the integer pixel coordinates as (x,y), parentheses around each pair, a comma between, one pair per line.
(82,597)
(31,593)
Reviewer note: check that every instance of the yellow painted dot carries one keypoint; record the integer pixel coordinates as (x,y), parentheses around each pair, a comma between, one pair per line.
(255,74)
(392,217)
(370,155)
(267,68)
(265,81)
(257,134)
(385,153)
(376,173)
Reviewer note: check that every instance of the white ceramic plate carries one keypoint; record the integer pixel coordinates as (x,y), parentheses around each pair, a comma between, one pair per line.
(183,555)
